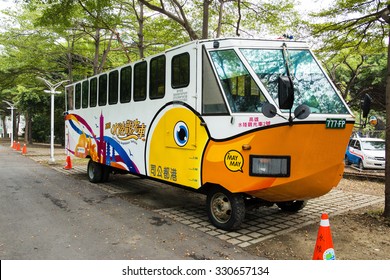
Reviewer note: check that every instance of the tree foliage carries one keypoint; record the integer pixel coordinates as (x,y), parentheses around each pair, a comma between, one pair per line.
(360,35)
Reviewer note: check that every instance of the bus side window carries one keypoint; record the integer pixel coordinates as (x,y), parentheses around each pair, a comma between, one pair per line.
(180,70)
(140,72)
(69,96)
(93,92)
(113,87)
(102,90)
(85,93)
(125,89)
(157,77)
(77,97)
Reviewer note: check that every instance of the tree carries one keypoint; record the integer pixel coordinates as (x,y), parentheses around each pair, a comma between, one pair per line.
(233,16)
(366,25)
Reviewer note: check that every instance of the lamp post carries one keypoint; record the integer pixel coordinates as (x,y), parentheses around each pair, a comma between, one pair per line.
(11,107)
(52,91)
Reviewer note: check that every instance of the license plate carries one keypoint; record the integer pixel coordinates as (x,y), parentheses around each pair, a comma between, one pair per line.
(335,123)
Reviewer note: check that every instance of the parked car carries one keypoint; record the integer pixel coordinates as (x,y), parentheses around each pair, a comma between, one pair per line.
(366,153)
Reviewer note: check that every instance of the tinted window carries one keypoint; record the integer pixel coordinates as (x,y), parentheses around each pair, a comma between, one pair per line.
(85,94)
(181,70)
(140,71)
(125,95)
(103,90)
(77,97)
(93,92)
(157,77)
(69,93)
(113,88)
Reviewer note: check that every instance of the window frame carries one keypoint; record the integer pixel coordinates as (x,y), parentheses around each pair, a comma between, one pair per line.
(125,98)
(101,101)
(155,83)
(113,87)
(77,96)
(141,81)
(93,92)
(180,64)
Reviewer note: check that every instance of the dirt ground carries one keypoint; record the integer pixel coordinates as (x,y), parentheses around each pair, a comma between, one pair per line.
(357,235)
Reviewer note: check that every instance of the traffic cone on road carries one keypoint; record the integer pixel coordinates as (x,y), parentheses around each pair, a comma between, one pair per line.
(323,249)
(68,163)
(18,146)
(14,145)
(24,150)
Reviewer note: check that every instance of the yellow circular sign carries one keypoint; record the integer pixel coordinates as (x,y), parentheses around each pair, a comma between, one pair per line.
(234,161)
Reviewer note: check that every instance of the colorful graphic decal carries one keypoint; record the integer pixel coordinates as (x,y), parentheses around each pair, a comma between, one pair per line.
(103,149)
(128,130)
(234,161)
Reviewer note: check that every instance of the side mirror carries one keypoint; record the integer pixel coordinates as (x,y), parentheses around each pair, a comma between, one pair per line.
(285,92)
(302,112)
(269,110)
(366,105)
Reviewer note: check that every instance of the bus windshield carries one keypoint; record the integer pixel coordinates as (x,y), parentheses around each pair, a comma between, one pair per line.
(311,87)
(242,92)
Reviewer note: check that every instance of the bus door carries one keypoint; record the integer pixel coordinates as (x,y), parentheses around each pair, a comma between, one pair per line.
(177,137)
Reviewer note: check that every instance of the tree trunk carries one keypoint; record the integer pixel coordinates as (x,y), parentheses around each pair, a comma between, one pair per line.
(205,27)
(386,212)
(141,45)
(97,50)
(15,127)
(220,14)
(4,126)
(26,128)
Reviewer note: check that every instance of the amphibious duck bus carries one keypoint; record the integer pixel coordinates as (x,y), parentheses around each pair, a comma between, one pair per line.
(240,120)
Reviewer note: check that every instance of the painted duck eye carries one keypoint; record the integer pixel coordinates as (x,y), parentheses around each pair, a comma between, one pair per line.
(181,134)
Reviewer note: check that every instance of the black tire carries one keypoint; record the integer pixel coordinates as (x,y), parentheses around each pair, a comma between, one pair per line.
(292,206)
(106,170)
(360,165)
(94,171)
(225,210)
(346,161)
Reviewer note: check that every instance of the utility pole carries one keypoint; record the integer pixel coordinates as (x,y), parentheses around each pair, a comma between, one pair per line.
(52,91)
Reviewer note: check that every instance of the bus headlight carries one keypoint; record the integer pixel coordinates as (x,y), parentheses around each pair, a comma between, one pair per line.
(270,166)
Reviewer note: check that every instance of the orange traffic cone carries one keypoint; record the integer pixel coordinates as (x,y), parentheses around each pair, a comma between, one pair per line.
(324,245)
(24,150)
(14,145)
(68,163)
(18,146)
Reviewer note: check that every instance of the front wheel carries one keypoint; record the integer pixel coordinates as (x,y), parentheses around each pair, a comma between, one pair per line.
(94,171)
(346,161)
(225,210)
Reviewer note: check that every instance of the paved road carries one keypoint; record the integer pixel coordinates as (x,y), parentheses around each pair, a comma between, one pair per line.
(45,214)
(48,212)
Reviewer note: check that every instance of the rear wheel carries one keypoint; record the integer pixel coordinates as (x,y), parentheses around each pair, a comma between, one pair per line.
(360,165)
(292,206)
(94,171)
(106,170)
(225,210)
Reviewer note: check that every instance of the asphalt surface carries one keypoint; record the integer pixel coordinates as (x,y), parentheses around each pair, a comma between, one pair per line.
(48,212)
(45,214)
